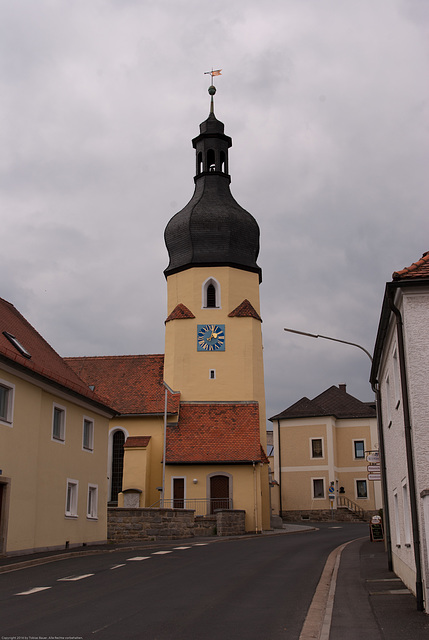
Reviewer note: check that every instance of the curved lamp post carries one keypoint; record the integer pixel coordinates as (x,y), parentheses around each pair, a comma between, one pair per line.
(380,437)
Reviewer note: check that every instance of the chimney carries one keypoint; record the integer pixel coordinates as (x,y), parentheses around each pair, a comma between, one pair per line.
(342,387)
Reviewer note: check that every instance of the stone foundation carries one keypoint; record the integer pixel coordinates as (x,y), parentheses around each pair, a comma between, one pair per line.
(134,524)
(326,515)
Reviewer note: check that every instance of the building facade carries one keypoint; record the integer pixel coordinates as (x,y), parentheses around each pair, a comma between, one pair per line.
(53,446)
(320,449)
(400,373)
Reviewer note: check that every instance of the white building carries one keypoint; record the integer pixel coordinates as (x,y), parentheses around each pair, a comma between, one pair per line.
(400,371)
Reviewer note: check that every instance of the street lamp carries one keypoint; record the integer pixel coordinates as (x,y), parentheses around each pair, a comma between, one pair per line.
(376,391)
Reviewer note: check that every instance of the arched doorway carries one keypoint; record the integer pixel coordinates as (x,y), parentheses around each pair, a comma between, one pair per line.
(219,493)
(117,469)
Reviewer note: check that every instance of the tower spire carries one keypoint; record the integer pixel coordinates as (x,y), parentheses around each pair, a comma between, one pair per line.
(212,88)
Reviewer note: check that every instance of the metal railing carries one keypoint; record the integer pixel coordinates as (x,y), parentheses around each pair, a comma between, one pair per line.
(342,501)
(201,506)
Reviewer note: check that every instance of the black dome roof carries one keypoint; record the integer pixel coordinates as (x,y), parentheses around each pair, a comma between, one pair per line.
(212,229)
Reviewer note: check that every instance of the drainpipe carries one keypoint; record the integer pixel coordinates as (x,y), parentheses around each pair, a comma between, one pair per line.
(280,470)
(255,508)
(409,450)
(376,389)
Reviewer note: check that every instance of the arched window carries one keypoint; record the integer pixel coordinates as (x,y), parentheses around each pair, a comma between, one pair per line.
(199,163)
(211,162)
(211,294)
(223,167)
(117,465)
(220,497)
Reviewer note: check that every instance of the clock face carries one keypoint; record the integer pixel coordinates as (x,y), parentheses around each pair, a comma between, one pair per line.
(211,337)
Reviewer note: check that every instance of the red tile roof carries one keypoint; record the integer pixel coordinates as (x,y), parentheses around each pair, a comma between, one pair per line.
(180,312)
(245,310)
(131,384)
(44,360)
(215,433)
(133,442)
(419,269)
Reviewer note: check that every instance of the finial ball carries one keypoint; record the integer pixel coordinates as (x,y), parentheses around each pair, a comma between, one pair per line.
(212,90)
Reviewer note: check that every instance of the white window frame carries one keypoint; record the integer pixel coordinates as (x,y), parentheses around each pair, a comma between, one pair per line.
(90,421)
(406,513)
(71,498)
(7,419)
(388,401)
(311,449)
(396,378)
(354,448)
(92,502)
(396,515)
(324,489)
(204,287)
(358,497)
(62,437)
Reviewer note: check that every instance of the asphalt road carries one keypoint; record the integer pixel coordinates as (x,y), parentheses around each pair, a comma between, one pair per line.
(258,587)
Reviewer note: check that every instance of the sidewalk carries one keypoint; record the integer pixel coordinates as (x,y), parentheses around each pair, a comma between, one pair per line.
(370,601)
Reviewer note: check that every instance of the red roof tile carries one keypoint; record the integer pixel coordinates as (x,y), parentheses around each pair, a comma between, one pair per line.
(44,360)
(131,384)
(180,312)
(215,433)
(136,441)
(419,269)
(245,310)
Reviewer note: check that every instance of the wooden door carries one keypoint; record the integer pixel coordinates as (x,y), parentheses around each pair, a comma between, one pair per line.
(178,493)
(219,493)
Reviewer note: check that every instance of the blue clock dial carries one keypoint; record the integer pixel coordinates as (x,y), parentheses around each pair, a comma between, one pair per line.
(211,337)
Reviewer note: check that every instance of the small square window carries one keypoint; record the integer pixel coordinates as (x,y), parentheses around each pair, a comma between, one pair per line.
(92,505)
(88,434)
(59,423)
(359,449)
(316,447)
(361,489)
(6,402)
(71,498)
(212,374)
(318,488)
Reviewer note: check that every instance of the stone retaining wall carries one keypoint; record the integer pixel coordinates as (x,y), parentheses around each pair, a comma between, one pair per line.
(131,524)
(325,515)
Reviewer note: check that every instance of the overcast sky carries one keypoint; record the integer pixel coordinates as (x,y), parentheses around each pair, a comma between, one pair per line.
(327,105)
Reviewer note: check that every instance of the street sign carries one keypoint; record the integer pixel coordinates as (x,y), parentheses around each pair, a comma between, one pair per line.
(331,496)
(373,467)
(373,457)
(331,489)
(374,476)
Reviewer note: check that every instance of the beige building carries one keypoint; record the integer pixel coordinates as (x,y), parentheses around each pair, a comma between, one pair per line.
(320,449)
(53,446)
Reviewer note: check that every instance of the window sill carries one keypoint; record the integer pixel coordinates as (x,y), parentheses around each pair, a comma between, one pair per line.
(60,440)
(87,450)
(70,516)
(398,546)
(408,546)
(6,423)
(92,518)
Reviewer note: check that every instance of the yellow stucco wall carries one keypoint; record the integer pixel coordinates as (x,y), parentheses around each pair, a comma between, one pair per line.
(338,465)
(39,467)
(239,369)
(142,468)
(246,487)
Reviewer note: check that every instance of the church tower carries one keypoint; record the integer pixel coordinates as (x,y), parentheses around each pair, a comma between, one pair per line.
(213,338)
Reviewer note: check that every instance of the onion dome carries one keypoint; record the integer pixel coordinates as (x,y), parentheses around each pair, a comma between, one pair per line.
(212,229)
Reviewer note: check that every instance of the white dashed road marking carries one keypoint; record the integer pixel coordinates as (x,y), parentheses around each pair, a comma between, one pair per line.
(201,544)
(75,578)
(35,590)
(138,558)
(179,548)
(116,566)
(161,553)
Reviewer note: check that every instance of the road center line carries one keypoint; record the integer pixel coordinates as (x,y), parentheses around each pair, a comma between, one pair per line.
(31,591)
(160,553)
(75,578)
(138,558)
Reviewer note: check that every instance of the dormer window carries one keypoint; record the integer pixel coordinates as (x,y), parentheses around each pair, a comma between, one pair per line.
(18,346)
(211,294)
